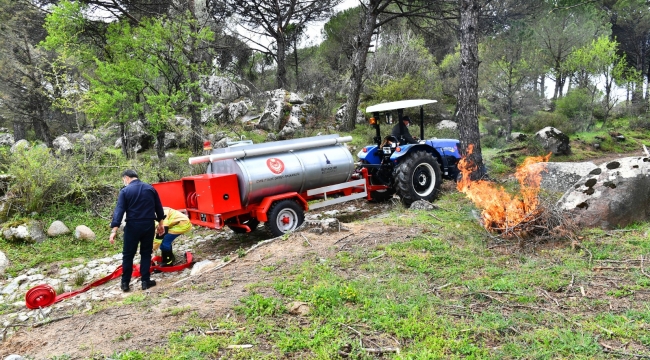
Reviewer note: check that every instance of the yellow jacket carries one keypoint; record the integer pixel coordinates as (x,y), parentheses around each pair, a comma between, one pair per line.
(176,221)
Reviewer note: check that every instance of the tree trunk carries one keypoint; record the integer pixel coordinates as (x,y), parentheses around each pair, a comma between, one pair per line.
(470,136)
(542,87)
(19,130)
(125,141)
(160,144)
(196,140)
(359,56)
(281,74)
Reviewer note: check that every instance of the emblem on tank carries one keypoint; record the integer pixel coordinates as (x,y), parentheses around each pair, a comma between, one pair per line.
(275,165)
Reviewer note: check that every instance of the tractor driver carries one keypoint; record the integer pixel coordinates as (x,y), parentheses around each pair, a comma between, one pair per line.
(401,132)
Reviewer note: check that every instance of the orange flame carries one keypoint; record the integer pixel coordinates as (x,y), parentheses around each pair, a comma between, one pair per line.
(501,210)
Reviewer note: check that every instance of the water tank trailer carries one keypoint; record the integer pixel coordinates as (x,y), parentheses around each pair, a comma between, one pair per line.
(246,184)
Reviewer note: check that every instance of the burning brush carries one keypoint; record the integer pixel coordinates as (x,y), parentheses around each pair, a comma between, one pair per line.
(517,216)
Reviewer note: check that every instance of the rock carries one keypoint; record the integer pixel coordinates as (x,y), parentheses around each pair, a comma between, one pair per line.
(236,110)
(20,144)
(422,205)
(272,117)
(14,357)
(294,99)
(4,263)
(6,140)
(137,136)
(560,177)
(57,228)
(214,112)
(596,146)
(90,143)
(554,140)
(62,144)
(342,112)
(271,137)
(30,232)
(298,308)
(202,266)
(612,195)
(290,128)
(446,124)
(83,232)
(314,99)
(517,136)
(223,89)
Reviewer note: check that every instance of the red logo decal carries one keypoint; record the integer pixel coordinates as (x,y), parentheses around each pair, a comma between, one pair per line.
(275,165)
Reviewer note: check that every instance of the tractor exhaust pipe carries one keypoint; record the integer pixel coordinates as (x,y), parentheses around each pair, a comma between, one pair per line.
(273,149)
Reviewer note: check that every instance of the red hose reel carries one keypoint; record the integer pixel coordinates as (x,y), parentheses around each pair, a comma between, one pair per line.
(44,295)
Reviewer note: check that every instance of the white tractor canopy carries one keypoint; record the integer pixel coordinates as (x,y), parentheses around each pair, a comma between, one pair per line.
(396,105)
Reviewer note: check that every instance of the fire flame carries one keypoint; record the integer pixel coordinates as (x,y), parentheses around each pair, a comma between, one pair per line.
(500,210)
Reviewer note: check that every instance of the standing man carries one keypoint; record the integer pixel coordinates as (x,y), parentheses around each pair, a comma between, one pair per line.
(402,133)
(142,206)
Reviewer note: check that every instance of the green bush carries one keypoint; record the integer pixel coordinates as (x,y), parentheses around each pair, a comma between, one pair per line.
(542,119)
(40,179)
(576,106)
(640,123)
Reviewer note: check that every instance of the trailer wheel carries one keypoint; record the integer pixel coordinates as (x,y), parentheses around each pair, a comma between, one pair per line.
(418,178)
(284,216)
(252,224)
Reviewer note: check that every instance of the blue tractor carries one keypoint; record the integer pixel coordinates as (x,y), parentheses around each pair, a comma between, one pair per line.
(412,171)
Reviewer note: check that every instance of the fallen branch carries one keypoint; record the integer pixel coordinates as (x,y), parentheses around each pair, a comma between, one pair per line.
(381,350)
(610,350)
(307,240)
(39,324)
(642,269)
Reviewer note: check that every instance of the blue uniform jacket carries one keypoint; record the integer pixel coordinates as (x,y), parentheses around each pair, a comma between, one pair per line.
(140,201)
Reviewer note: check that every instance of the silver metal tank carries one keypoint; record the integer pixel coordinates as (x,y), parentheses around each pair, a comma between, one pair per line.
(286,171)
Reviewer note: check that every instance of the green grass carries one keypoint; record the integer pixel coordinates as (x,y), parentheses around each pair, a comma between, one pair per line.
(444,294)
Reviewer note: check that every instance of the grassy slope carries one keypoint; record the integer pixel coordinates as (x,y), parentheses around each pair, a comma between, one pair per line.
(447,293)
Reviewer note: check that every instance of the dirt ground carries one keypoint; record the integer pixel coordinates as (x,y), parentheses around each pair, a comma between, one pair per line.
(135,327)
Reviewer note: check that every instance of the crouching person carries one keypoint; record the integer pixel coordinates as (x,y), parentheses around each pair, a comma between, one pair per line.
(175,224)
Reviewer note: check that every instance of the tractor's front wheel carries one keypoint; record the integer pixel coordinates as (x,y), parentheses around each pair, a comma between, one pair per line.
(418,178)
(284,216)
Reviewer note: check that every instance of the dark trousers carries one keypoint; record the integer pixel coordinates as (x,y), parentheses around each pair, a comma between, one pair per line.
(137,232)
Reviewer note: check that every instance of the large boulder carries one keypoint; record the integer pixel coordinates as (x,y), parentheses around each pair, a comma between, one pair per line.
(223,89)
(554,141)
(4,263)
(30,232)
(237,110)
(272,117)
(447,124)
(62,144)
(342,113)
(6,139)
(138,138)
(20,144)
(613,195)
(560,177)
(214,112)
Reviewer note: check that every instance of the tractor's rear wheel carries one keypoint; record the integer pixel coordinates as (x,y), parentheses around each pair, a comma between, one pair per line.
(284,216)
(380,177)
(418,178)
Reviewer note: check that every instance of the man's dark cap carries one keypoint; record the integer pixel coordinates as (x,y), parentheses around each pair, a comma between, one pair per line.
(130,173)
(406,118)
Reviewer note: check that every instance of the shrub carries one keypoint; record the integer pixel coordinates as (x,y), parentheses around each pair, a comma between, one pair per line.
(576,106)
(640,123)
(40,179)
(542,119)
